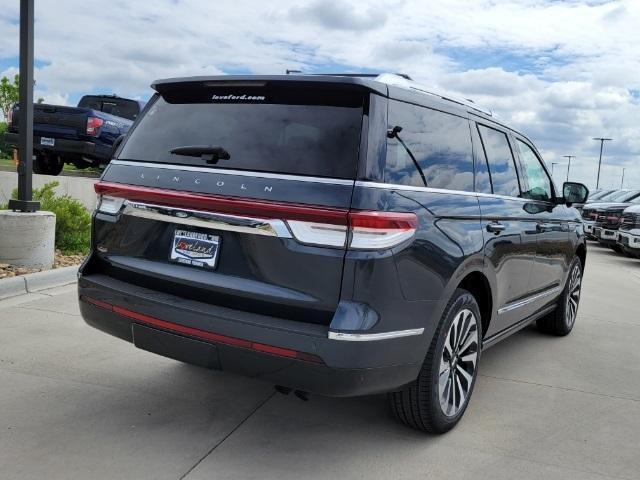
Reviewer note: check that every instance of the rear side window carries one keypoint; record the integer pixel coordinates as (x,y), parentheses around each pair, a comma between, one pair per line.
(483,179)
(432,149)
(276,133)
(502,168)
(537,185)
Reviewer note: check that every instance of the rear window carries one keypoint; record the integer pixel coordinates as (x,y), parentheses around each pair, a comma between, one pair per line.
(261,132)
(120,107)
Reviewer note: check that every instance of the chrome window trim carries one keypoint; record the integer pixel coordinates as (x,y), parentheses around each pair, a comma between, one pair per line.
(244,173)
(526,301)
(370,337)
(392,186)
(197,218)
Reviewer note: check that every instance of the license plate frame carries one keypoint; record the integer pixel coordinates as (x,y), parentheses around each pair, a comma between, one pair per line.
(48,142)
(194,248)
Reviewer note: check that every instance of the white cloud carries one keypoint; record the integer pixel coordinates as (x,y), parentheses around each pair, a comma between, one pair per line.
(561,72)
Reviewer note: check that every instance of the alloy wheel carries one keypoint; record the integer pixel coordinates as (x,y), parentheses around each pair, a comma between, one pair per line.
(573,296)
(458,362)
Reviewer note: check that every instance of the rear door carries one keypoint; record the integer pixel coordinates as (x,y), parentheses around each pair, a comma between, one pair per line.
(260,228)
(509,229)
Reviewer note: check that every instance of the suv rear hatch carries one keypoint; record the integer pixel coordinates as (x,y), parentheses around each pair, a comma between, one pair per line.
(250,210)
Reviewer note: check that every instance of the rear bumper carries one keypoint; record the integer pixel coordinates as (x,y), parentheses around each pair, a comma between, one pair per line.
(187,330)
(64,146)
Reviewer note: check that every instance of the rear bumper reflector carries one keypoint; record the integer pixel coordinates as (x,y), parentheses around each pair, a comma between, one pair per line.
(202,334)
(372,337)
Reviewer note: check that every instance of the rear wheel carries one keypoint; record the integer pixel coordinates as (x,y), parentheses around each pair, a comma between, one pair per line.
(46,164)
(561,321)
(436,401)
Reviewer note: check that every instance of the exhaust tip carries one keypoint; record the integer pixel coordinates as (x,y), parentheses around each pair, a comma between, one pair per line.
(282,390)
(304,396)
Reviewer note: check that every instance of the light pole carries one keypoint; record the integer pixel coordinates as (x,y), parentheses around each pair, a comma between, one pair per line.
(569,165)
(25,202)
(622,181)
(602,140)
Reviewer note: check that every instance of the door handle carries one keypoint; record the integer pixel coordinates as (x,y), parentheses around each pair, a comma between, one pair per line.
(543,227)
(495,227)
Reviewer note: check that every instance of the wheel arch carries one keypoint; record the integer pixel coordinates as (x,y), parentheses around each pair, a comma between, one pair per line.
(581,253)
(478,285)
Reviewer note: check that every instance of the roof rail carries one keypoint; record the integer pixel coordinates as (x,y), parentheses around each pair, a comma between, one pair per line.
(362,75)
(408,84)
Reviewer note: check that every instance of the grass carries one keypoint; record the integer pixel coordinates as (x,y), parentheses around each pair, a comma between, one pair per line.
(8,162)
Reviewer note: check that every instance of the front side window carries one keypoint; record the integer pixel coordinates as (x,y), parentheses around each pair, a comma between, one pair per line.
(502,168)
(428,148)
(537,183)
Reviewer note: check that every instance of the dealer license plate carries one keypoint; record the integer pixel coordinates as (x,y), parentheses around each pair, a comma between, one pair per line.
(195,248)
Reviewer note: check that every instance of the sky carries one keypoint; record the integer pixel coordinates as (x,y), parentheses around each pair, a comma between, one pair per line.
(562,72)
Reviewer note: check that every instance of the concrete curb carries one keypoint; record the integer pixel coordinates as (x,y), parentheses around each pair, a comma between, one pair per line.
(11,287)
(35,282)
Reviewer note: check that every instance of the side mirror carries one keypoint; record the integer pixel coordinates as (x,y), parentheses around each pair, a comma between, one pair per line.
(573,192)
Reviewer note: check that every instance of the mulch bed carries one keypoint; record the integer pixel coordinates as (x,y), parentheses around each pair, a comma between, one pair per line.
(59,261)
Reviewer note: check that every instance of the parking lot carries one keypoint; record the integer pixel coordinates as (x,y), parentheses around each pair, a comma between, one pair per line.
(76,403)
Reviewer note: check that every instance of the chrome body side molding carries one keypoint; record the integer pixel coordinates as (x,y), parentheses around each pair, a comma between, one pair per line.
(526,301)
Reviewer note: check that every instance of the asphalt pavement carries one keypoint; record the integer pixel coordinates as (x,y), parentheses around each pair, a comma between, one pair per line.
(78,404)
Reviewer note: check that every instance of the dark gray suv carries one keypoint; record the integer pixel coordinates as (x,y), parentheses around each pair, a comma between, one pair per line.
(338,235)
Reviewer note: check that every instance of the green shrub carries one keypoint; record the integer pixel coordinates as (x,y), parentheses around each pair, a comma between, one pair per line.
(73,222)
(5,151)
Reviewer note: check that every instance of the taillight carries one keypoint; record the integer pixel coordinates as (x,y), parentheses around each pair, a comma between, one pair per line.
(378,230)
(366,230)
(109,205)
(309,224)
(318,233)
(93,124)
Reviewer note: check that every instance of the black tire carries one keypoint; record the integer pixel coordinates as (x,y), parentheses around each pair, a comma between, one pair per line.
(418,405)
(561,321)
(48,164)
(38,164)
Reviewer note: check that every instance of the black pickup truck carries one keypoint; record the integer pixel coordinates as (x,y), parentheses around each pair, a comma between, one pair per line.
(83,136)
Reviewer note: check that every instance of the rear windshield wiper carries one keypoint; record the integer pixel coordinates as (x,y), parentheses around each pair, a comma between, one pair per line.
(209,153)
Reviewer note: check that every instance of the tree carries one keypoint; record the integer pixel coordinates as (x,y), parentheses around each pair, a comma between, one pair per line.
(8,94)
